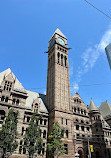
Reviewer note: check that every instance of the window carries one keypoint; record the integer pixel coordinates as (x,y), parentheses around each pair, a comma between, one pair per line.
(2,114)
(36,108)
(74,109)
(65,60)
(82,121)
(66,121)
(17,102)
(22,131)
(28,119)
(78,110)
(3,98)
(62,59)
(77,120)
(81,111)
(77,136)
(20,149)
(66,148)
(43,149)
(87,128)
(58,55)
(77,127)
(41,121)
(67,133)
(6,99)
(44,134)
(45,122)
(85,112)
(7,86)
(24,151)
(82,128)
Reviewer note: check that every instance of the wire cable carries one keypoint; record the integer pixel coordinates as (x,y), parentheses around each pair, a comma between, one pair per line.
(98,9)
(95,84)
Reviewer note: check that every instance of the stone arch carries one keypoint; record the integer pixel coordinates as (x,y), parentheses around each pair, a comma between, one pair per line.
(80,152)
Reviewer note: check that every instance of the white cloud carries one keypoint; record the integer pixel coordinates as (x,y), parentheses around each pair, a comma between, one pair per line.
(90,56)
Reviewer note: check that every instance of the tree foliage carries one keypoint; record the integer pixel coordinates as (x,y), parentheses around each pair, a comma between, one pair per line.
(8,134)
(32,139)
(55,146)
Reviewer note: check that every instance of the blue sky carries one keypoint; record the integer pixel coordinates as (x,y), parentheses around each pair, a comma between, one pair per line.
(26,27)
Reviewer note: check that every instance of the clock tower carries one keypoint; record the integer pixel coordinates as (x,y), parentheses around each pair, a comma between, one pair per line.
(58,84)
(58,88)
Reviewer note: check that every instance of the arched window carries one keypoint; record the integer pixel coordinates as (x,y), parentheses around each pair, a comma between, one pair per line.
(81,111)
(74,109)
(82,121)
(44,134)
(65,58)
(62,59)
(82,128)
(78,110)
(85,112)
(58,57)
(76,120)
(77,127)
(36,108)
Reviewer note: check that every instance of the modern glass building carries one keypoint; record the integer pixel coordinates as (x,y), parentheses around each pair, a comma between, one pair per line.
(108,53)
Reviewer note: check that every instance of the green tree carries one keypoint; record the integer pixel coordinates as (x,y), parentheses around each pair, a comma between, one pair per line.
(32,139)
(55,146)
(8,134)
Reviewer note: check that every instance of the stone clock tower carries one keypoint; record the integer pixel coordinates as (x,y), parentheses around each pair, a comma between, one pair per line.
(58,84)
(58,88)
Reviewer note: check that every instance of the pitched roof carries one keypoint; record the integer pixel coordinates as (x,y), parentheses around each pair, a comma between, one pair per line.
(105,109)
(34,95)
(92,106)
(17,86)
(57,31)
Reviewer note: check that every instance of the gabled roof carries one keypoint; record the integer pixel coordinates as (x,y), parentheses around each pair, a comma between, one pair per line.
(17,86)
(105,109)
(92,106)
(76,95)
(57,31)
(34,95)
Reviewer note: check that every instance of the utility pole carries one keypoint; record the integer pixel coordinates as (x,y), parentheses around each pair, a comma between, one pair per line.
(89,151)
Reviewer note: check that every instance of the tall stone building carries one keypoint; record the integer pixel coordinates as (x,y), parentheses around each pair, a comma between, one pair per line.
(81,122)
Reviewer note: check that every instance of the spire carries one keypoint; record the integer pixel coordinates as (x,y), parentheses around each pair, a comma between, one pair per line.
(57,31)
(92,106)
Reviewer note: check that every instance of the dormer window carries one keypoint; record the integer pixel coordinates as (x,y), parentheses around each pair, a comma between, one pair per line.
(36,108)
(8,86)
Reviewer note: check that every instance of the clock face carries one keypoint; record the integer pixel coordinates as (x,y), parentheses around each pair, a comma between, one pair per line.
(52,42)
(61,41)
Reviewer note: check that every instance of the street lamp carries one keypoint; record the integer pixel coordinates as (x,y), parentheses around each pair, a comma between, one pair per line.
(76,155)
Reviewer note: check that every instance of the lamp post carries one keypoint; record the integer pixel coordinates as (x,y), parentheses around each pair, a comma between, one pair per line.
(89,151)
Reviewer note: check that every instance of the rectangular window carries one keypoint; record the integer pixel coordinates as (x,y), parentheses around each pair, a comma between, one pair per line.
(66,148)
(66,121)
(7,86)
(77,136)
